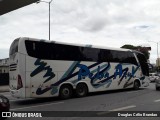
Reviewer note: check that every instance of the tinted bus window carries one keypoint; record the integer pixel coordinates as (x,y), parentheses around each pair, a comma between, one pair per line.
(143,63)
(118,56)
(54,51)
(90,54)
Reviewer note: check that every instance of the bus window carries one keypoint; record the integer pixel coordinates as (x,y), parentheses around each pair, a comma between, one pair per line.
(143,63)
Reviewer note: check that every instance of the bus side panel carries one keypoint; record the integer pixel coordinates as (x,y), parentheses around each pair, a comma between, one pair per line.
(22,73)
(40,76)
(28,87)
(46,76)
(37,80)
(13,73)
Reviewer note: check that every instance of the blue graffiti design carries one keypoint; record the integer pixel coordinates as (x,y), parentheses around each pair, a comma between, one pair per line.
(119,72)
(41,91)
(133,73)
(70,69)
(84,72)
(93,71)
(42,66)
(102,76)
(122,74)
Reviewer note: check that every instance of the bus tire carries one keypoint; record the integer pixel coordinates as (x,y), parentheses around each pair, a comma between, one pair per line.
(81,90)
(136,85)
(65,92)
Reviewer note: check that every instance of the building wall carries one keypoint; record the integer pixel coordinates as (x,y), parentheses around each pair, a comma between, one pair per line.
(4,69)
(4,65)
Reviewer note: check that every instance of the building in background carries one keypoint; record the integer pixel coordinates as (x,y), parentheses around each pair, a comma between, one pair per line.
(4,71)
(4,65)
(158,62)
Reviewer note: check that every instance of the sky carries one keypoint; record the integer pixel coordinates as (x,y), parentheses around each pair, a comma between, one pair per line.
(110,23)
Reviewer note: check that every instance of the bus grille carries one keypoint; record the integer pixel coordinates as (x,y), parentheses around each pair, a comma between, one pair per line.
(13,67)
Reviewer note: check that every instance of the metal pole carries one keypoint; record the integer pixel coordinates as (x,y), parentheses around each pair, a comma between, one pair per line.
(49,20)
(49,3)
(157,57)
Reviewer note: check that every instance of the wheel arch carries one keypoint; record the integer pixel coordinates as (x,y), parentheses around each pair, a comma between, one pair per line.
(69,89)
(137,80)
(65,83)
(136,84)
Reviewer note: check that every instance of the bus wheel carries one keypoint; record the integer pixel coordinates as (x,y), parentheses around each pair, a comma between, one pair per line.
(65,91)
(81,90)
(136,85)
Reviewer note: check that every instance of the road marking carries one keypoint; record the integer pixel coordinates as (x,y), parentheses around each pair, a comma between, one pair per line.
(157,100)
(123,108)
(37,106)
(117,109)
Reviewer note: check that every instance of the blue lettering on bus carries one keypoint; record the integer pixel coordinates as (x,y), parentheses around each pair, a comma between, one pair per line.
(119,72)
(84,71)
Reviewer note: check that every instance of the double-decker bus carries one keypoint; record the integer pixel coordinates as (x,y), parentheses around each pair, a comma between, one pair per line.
(40,68)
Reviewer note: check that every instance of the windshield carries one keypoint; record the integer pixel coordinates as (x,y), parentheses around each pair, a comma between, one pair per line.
(143,63)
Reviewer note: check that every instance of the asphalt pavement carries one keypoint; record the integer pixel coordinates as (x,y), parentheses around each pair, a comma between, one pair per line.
(97,104)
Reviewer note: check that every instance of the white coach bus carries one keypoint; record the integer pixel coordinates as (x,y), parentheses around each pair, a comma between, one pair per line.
(40,68)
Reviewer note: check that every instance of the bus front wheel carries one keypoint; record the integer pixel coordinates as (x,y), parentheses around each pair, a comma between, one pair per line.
(65,92)
(136,85)
(81,90)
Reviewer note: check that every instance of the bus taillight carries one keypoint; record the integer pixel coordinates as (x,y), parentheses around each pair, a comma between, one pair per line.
(19,83)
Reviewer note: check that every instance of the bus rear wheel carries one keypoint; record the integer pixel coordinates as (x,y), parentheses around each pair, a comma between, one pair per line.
(81,90)
(136,85)
(66,92)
